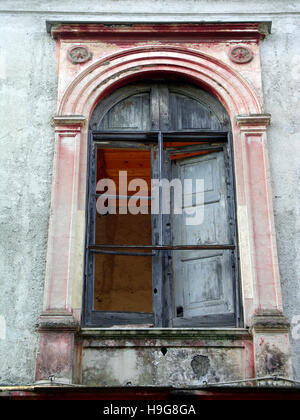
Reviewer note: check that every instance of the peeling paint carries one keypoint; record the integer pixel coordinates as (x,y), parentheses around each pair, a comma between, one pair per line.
(200,365)
(275,361)
(179,366)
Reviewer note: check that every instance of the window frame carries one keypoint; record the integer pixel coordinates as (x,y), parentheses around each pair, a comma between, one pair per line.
(162,301)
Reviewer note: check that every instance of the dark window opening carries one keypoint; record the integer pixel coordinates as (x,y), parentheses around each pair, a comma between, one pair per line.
(124,283)
(155,268)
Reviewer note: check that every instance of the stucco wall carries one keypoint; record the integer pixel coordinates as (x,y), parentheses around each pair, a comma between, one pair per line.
(27,101)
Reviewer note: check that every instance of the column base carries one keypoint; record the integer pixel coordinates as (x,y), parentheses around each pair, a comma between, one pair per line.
(57,321)
(271,344)
(56,349)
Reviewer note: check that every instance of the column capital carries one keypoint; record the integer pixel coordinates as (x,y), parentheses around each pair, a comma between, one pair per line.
(270,321)
(56,321)
(253,121)
(69,120)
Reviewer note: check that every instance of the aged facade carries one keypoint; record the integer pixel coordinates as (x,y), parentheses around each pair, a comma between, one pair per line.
(208,90)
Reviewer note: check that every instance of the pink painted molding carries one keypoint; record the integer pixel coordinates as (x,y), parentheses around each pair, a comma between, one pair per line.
(55,357)
(98,79)
(122,54)
(266,282)
(63,218)
(196,32)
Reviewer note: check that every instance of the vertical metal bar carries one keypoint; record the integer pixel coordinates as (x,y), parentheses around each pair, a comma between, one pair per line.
(87,235)
(157,237)
(161,174)
(237,285)
(91,228)
(168,305)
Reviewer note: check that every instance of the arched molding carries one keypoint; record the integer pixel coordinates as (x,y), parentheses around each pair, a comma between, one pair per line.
(85,91)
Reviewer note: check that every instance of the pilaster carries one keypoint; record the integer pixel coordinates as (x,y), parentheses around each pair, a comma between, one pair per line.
(269,326)
(57,323)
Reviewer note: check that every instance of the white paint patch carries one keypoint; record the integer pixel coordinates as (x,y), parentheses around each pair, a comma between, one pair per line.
(78,260)
(2,328)
(295,67)
(123,366)
(245,252)
(2,66)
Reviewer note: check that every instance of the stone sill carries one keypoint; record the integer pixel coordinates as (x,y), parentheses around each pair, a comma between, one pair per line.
(166,333)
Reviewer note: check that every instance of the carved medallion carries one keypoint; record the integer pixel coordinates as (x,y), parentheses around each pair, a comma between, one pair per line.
(79,54)
(241,55)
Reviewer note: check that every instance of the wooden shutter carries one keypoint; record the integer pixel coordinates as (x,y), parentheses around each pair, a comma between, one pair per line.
(203,280)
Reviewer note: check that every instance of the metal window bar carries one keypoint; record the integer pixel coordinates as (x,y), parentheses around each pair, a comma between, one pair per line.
(96,247)
(211,140)
(152,136)
(235,256)
(128,254)
(158,137)
(124,197)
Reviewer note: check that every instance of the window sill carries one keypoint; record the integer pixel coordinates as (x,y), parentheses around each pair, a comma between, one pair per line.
(166,333)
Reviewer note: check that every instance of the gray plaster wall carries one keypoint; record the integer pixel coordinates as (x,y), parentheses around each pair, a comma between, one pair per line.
(27,102)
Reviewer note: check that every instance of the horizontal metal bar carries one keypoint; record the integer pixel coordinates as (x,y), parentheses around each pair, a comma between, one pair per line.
(144,138)
(120,197)
(164,247)
(165,133)
(114,144)
(126,136)
(208,133)
(185,139)
(185,135)
(128,254)
(194,149)
(197,134)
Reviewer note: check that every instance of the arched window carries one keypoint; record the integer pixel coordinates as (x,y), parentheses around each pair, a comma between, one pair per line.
(161,235)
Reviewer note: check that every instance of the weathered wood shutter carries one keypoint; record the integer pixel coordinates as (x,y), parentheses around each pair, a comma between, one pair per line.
(130,114)
(203,280)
